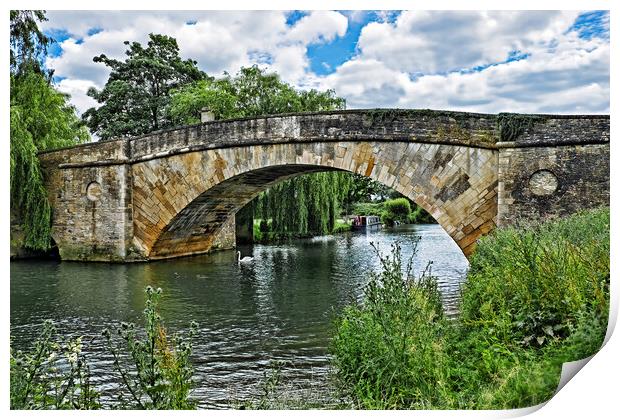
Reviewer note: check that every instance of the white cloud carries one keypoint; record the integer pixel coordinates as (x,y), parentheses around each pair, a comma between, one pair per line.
(418,62)
(419,59)
(356,16)
(290,61)
(76,61)
(319,26)
(79,23)
(443,41)
(574,80)
(218,41)
(367,83)
(77,89)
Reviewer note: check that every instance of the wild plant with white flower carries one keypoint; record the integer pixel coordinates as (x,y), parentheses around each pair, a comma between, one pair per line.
(42,379)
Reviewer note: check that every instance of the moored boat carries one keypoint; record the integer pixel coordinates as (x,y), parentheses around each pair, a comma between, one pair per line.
(366,223)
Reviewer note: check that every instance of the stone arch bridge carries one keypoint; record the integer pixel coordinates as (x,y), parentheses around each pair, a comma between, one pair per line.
(175,192)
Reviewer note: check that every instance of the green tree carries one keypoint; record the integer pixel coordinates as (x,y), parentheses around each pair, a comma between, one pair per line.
(217,95)
(307,204)
(397,209)
(135,99)
(41,119)
(364,190)
(27,43)
(251,93)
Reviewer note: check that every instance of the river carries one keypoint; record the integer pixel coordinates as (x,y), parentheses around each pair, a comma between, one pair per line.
(280,307)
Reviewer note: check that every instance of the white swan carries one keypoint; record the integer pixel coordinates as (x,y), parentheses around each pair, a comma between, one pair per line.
(244,259)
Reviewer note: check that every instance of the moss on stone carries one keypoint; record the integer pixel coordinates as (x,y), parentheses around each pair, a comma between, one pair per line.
(380,117)
(511,126)
(488,137)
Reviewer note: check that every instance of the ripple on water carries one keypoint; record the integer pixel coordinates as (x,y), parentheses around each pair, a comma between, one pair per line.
(279,308)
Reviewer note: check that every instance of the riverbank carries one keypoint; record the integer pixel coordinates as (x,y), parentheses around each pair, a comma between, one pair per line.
(263,235)
(518,323)
(534,298)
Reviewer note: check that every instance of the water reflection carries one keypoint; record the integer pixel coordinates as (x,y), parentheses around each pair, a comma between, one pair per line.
(279,307)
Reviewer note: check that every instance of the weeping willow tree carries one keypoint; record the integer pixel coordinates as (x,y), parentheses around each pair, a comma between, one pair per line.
(307,204)
(41,119)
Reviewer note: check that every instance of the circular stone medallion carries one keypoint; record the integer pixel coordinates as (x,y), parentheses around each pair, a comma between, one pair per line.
(93,191)
(543,183)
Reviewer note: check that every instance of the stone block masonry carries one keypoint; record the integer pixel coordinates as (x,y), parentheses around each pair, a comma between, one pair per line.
(175,192)
(538,183)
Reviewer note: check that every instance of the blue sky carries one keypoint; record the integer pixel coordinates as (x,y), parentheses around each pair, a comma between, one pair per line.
(592,24)
(326,57)
(523,61)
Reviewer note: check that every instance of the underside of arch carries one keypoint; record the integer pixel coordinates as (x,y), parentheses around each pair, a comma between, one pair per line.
(194,229)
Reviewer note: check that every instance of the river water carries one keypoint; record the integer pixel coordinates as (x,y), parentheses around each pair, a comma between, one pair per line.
(280,307)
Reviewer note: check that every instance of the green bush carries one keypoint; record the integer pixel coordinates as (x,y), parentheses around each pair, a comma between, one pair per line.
(387,219)
(398,206)
(389,350)
(530,285)
(534,298)
(257,234)
(419,215)
(368,209)
(395,210)
(341,226)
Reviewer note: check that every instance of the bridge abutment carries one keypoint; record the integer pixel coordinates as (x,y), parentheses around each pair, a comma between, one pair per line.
(90,191)
(555,167)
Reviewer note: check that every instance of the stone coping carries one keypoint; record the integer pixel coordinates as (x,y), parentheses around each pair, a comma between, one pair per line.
(363,112)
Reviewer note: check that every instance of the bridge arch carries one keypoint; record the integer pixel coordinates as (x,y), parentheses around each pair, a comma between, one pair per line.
(181,202)
(165,193)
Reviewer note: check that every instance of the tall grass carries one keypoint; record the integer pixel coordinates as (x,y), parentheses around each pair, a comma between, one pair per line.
(534,298)
(158,372)
(53,375)
(389,350)
(529,285)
